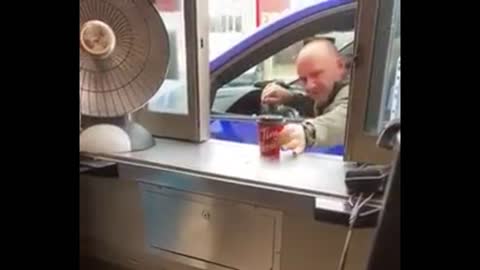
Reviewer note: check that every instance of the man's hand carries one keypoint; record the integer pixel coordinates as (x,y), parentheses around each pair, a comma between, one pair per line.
(292,137)
(275,94)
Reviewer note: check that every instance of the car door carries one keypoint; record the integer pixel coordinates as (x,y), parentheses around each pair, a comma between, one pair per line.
(234,73)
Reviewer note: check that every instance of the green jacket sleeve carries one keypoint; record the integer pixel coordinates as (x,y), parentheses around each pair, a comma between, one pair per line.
(328,129)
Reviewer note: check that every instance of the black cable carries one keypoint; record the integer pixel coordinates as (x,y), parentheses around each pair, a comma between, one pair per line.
(366,213)
(355,212)
(370,212)
(353,217)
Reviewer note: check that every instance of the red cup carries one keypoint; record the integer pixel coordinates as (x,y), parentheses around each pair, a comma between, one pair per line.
(269,127)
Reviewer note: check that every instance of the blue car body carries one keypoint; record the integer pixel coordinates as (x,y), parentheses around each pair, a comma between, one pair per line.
(246,132)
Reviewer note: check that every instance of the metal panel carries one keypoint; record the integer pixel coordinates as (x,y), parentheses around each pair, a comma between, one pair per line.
(113,218)
(293,203)
(225,233)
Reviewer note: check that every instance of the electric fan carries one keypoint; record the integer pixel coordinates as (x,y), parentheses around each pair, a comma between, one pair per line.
(123,61)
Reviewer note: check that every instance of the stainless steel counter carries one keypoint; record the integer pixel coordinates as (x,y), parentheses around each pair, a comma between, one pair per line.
(306,173)
(206,205)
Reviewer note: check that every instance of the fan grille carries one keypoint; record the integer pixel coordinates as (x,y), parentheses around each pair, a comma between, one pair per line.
(125,80)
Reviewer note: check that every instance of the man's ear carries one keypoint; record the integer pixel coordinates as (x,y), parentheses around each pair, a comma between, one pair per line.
(340,63)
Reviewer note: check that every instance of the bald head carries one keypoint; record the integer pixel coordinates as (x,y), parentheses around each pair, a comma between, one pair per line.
(319,66)
(320,45)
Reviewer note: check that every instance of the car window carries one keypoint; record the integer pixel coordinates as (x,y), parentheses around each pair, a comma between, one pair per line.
(241,95)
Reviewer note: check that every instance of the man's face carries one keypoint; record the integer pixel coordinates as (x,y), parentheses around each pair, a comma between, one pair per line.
(318,69)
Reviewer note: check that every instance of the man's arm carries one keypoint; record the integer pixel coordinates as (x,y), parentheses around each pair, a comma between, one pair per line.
(328,129)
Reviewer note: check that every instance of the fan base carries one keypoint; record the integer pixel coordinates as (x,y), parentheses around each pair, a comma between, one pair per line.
(110,138)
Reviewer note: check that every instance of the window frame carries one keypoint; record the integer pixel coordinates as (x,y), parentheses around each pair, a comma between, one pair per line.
(360,145)
(193,126)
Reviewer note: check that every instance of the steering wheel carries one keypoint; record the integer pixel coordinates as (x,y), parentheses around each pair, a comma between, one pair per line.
(262,84)
(283,110)
(291,112)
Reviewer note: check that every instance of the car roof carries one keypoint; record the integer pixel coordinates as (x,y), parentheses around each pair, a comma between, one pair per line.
(266,30)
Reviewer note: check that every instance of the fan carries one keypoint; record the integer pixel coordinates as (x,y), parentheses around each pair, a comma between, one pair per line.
(124,56)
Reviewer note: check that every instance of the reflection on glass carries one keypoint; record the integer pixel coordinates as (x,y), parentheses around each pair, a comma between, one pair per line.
(230,21)
(394,101)
(172,97)
(384,105)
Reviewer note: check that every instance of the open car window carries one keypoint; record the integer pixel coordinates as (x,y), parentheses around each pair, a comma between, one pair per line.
(241,96)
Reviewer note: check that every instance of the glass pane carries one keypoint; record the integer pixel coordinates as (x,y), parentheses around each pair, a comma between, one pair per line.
(394,101)
(230,21)
(384,105)
(233,20)
(271,10)
(172,97)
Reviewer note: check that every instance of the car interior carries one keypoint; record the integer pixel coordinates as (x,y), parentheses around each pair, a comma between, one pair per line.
(250,105)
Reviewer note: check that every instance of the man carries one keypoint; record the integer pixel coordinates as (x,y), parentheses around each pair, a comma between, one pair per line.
(322,71)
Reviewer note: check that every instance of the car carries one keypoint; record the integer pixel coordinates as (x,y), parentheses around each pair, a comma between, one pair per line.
(238,74)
